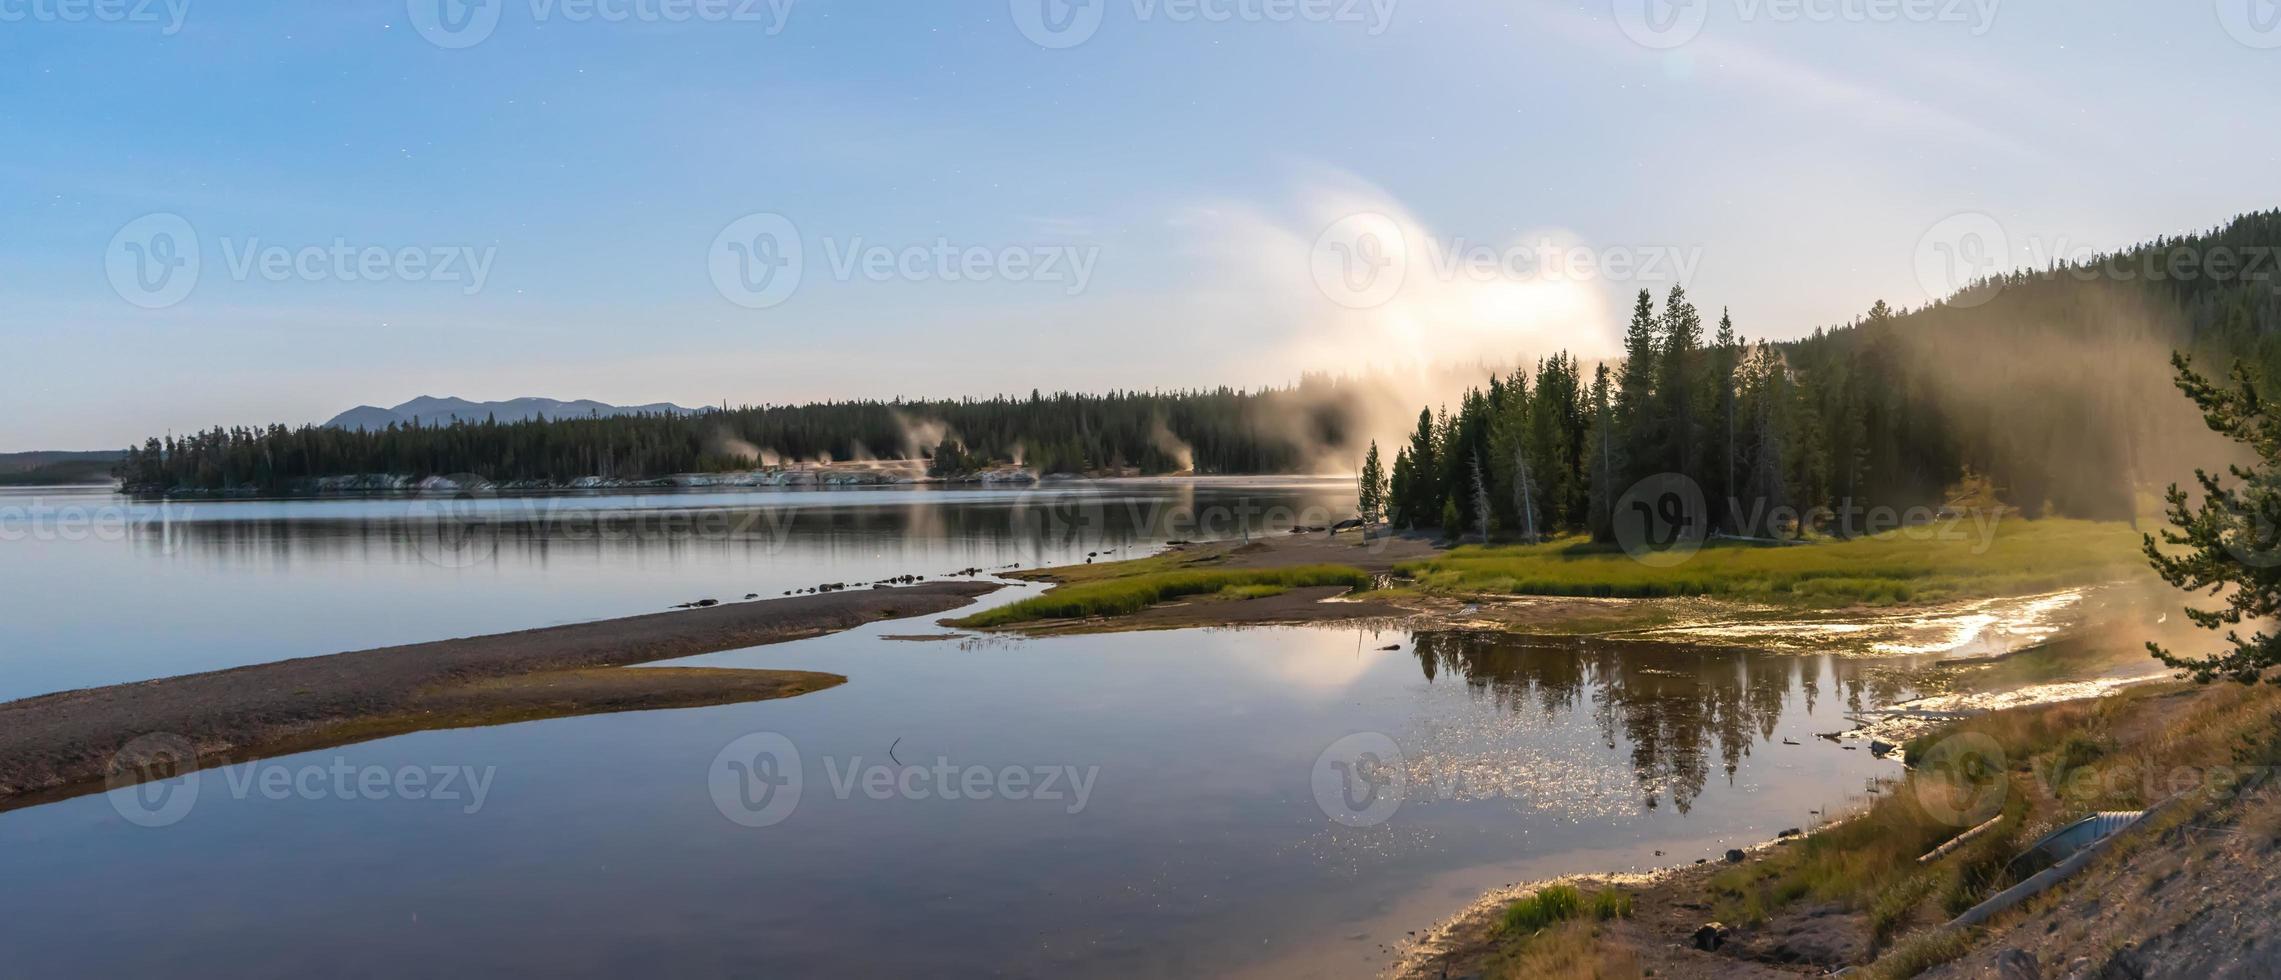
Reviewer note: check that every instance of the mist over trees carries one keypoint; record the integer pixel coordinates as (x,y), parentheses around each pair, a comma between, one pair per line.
(1277,430)
(2049,384)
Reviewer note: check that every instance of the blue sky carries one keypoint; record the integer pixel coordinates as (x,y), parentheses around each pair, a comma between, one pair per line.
(1795,157)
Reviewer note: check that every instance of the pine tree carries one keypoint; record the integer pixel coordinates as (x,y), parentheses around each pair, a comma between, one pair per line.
(1372,491)
(1726,360)
(1676,387)
(1601,457)
(1635,388)
(1420,500)
(1480,502)
(2232,541)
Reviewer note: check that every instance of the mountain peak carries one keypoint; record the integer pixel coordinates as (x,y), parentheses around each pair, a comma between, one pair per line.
(445,410)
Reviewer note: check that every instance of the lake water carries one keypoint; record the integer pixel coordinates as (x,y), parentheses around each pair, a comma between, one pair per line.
(1277,801)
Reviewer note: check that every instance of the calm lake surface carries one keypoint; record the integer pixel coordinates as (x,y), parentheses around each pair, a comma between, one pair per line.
(1277,801)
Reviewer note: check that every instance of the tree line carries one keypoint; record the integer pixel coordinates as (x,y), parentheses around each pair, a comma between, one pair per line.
(2045,384)
(1219,431)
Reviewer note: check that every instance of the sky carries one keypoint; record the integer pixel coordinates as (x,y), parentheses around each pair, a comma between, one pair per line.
(245,213)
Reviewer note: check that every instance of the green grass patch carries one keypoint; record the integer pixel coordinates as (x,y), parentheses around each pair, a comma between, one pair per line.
(1926,563)
(1553,904)
(1127,594)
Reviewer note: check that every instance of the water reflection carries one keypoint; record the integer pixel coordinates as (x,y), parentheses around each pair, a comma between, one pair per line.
(1676,710)
(1049,523)
(1204,845)
(101,589)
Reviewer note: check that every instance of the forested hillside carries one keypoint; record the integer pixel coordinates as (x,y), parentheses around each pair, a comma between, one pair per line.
(53,468)
(2052,385)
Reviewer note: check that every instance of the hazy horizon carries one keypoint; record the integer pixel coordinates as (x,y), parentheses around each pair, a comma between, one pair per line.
(788,201)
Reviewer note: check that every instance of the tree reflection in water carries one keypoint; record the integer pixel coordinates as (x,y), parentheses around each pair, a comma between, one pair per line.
(1675,707)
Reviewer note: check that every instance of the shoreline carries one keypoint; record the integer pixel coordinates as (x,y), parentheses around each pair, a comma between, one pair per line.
(837,477)
(1976,657)
(70,743)
(2205,866)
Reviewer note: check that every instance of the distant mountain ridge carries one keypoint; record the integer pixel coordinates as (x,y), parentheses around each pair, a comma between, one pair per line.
(57,468)
(431,410)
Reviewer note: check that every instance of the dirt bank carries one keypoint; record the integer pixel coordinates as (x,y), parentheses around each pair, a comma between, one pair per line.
(61,745)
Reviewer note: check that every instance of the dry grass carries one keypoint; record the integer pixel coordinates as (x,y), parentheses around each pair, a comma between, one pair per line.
(1572,950)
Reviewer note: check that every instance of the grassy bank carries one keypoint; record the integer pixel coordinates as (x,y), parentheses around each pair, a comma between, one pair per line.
(1117,595)
(1857,893)
(1555,934)
(1929,563)
(2054,764)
